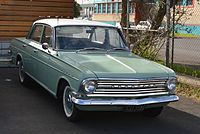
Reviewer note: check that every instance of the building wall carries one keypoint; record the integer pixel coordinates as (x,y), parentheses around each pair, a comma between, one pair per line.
(111,17)
(192,18)
(110,10)
(195,18)
(193,11)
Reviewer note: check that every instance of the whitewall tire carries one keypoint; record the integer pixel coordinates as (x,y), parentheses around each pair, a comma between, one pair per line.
(71,112)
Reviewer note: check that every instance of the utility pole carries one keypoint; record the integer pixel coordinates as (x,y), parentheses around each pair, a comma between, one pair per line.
(168,31)
(173,31)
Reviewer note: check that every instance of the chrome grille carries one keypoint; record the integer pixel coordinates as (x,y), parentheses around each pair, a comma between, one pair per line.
(130,88)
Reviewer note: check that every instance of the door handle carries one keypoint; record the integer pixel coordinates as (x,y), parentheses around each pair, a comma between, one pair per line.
(35,50)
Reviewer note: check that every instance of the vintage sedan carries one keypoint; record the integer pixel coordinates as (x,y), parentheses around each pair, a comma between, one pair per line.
(89,67)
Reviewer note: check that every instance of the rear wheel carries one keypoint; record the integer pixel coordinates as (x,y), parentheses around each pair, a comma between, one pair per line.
(71,112)
(23,77)
(153,112)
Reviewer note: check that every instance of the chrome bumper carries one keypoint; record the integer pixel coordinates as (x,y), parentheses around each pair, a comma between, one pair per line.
(137,102)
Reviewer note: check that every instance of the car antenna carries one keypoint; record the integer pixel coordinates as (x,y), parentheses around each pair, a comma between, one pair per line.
(57,19)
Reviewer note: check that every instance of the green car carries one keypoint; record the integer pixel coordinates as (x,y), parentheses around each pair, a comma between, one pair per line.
(88,66)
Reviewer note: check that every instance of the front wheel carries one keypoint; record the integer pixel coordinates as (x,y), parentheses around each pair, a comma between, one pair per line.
(153,112)
(71,112)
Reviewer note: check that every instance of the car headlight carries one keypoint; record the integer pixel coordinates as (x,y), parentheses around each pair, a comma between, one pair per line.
(171,85)
(89,86)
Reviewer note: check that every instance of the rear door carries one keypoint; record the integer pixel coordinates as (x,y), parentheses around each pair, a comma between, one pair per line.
(33,42)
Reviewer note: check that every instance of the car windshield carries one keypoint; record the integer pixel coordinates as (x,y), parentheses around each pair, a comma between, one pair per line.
(88,38)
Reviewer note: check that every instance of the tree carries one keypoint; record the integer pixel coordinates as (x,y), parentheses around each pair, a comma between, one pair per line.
(158,18)
(147,43)
(124,13)
(77,9)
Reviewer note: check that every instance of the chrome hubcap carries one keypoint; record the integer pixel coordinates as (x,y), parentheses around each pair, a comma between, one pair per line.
(21,71)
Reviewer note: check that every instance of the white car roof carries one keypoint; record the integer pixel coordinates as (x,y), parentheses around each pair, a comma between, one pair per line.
(64,22)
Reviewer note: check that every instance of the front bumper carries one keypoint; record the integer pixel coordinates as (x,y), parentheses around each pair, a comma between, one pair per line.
(122,101)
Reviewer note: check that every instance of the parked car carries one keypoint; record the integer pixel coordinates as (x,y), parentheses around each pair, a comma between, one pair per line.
(142,25)
(145,25)
(89,67)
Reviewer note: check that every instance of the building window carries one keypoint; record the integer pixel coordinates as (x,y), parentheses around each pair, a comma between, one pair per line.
(132,9)
(109,8)
(184,3)
(120,8)
(99,8)
(188,2)
(96,8)
(104,8)
(114,8)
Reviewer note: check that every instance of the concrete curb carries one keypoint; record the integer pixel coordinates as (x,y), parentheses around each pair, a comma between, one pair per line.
(186,37)
(188,80)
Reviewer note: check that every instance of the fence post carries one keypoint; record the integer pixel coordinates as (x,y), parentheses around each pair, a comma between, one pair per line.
(168,31)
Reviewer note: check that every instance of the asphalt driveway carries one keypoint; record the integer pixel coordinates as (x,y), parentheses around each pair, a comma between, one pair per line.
(31,110)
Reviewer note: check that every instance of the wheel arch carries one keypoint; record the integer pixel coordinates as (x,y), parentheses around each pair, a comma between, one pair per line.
(18,58)
(60,87)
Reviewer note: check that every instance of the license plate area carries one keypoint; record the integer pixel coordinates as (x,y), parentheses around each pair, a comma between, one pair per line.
(133,108)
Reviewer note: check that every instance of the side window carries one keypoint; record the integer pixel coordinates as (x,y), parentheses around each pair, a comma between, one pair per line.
(47,36)
(115,39)
(36,33)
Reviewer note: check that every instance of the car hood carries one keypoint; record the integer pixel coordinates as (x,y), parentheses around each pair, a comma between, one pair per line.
(117,65)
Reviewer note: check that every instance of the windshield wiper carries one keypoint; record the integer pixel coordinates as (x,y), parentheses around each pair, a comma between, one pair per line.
(90,48)
(121,49)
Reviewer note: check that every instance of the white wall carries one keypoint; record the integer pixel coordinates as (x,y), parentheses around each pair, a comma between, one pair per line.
(85,1)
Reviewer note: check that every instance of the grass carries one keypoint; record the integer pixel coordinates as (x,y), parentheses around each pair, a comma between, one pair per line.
(182,69)
(186,70)
(188,91)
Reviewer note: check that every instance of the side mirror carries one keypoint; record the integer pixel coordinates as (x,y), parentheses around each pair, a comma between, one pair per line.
(132,46)
(45,45)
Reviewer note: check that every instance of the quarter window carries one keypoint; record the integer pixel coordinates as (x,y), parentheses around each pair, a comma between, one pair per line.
(47,36)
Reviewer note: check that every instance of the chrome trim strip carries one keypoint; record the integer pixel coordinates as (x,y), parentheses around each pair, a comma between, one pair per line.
(127,95)
(129,89)
(44,86)
(144,101)
(132,82)
(133,92)
(65,73)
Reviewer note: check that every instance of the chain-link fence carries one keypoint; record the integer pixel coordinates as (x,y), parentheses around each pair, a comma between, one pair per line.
(183,34)
(185,49)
